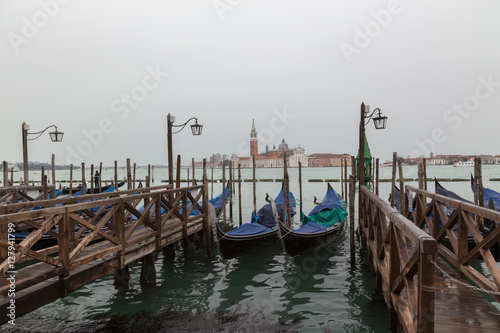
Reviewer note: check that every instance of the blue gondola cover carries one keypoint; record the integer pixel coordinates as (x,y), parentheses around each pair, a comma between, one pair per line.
(249,229)
(310,228)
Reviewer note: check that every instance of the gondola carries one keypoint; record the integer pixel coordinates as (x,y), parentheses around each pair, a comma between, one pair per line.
(491,198)
(322,226)
(216,202)
(488,225)
(250,237)
(66,190)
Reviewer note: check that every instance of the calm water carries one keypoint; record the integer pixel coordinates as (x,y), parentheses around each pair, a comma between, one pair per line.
(322,289)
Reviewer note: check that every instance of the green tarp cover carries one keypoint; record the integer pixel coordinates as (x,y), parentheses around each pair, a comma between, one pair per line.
(326,217)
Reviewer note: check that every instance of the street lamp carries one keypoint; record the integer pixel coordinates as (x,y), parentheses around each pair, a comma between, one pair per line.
(196,129)
(55,136)
(380,122)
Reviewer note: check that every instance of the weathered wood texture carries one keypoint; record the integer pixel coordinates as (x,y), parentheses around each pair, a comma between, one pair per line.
(404,255)
(94,238)
(407,275)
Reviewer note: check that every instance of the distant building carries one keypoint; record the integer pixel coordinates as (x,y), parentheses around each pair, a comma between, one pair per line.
(271,158)
(328,159)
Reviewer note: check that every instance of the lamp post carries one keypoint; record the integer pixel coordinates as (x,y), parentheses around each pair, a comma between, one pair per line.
(55,136)
(379,121)
(196,129)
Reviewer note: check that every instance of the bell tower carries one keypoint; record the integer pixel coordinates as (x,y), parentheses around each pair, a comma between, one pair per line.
(254,148)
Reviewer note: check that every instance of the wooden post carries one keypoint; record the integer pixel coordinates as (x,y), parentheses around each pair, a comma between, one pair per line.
(300,189)
(346,181)
(92,178)
(64,236)
(230,192)
(425,174)
(194,177)
(187,184)
(402,188)
(116,175)
(361,170)
(129,175)
(254,188)
(53,170)
(148,270)
(341,177)
(152,174)
(44,184)
(178,175)
(352,198)
(25,153)
(239,195)
(377,164)
(71,179)
(212,187)
(122,275)
(373,178)
(149,172)
(353,168)
(208,224)
(170,152)
(478,189)
(393,187)
(420,175)
(5,173)
(84,184)
(12,176)
(100,176)
(426,290)
(133,181)
(224,197)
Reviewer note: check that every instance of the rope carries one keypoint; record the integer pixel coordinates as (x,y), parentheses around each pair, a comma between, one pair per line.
(452,279)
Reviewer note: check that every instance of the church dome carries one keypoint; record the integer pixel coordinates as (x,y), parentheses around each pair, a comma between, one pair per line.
(283,145)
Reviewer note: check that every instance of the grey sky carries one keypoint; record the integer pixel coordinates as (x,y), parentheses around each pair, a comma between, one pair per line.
(432,67)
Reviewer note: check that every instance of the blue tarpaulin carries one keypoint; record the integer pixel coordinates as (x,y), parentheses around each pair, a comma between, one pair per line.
(310,228)
(489,194)
(330,201)
(249,229)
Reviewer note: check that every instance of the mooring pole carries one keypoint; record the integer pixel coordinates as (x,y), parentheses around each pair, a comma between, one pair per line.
(224,197)
(300,188)
(239,195)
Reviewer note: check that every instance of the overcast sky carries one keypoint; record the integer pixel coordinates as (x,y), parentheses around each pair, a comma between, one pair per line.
(108,73)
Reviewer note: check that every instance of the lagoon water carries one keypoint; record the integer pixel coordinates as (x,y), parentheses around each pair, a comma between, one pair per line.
(320,289)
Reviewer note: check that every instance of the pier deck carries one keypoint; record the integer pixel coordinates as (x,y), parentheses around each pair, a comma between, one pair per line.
(94,238)
(408,260)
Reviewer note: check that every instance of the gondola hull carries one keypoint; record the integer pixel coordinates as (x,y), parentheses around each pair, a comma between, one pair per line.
(234,246)
(294,242)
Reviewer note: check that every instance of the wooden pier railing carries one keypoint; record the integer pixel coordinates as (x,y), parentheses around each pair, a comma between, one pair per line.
(402,257)
(94,238)
(460,248)
(14,194)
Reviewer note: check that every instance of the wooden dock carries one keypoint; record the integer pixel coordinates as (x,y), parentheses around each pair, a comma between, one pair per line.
(95,235)
(425,293)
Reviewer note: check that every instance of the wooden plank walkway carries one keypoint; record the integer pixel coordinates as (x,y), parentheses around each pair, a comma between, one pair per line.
(414,277)
(50,287)
(462,309)
(94,238)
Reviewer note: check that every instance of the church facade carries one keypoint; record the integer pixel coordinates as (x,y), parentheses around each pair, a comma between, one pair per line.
(271,158)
